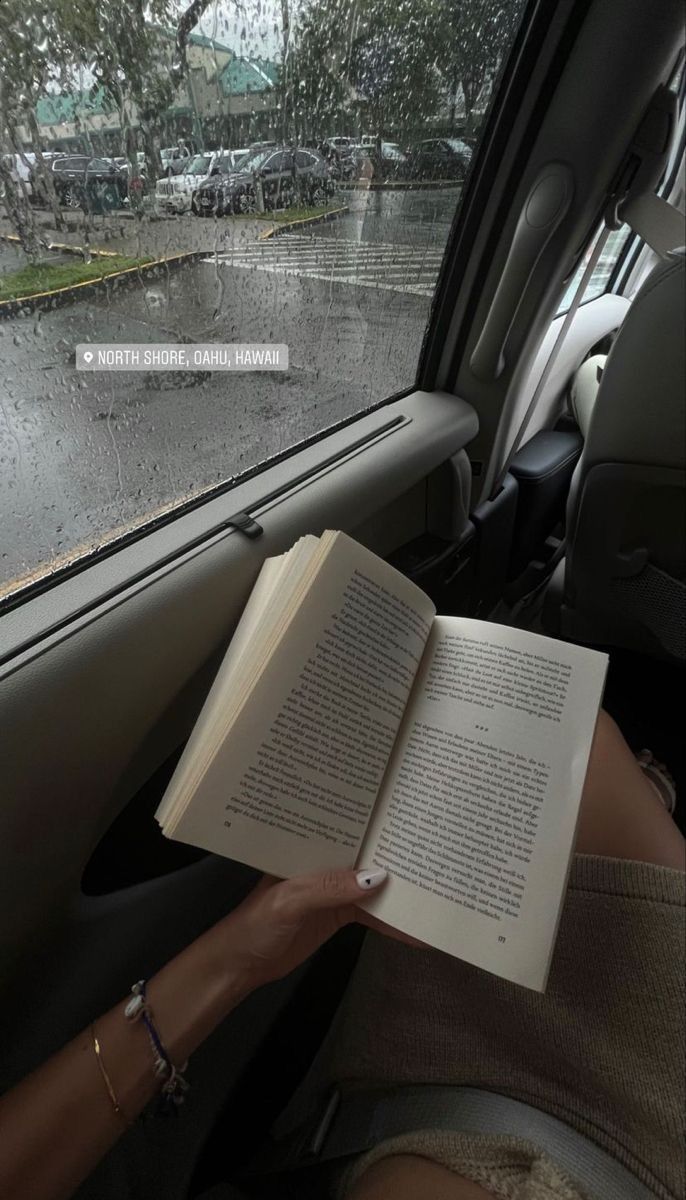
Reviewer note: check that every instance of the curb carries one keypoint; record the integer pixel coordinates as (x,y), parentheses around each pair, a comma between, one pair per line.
(62,247)
(26,305)
(332,215)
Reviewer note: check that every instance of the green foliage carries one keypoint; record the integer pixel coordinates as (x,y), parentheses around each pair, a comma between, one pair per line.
(319,67)
(27,37)
(52,42)
(395,62)
(476,35)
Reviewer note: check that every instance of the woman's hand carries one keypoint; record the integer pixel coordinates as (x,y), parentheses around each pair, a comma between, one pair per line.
(280,924)
(61,1120)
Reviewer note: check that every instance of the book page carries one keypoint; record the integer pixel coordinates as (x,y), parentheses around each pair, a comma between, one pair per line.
(270,594)
(477,816)
(292,785)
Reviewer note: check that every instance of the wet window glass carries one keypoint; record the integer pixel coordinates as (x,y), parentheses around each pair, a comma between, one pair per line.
(602,272)
(277,177)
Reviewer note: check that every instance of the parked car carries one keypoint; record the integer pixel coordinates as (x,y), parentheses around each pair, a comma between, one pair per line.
(286,177)
(204,198)
(175,193)
(341,160)
(209,197)
(178,193)
(137,181)
(339,143)
(441,158)
(174,159)
(80,181)
(387,159)
(20,171)
(393,161)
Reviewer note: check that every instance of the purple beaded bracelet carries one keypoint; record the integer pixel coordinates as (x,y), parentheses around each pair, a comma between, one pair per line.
(174,1086)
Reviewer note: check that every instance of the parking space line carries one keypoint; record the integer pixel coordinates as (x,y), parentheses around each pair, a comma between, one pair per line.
(382,265)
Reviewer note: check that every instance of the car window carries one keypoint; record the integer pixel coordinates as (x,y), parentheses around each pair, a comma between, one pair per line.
(96,450)
(457,147)
(602,272)
(71,164)
(199,164)
(275,162)
(256,161)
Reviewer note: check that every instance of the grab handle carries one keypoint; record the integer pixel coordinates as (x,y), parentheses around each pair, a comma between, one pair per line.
(545,207)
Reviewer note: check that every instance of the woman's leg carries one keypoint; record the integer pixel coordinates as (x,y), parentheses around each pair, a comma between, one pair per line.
(621,817)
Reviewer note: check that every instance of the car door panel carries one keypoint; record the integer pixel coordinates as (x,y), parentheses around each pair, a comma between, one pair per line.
(94,709)
(114,690)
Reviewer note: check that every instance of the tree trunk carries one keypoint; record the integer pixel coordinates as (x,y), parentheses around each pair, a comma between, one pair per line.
(44,173)
(285,68)
(185,27)
(454,84)
(152,154)
(20,213)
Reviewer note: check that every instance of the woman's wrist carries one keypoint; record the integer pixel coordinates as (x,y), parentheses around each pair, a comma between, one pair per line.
(196,991)
(230,968)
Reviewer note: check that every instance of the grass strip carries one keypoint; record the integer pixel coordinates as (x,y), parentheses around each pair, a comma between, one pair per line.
(36,278)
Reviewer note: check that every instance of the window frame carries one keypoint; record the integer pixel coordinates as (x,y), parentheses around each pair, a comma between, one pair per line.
(425,428)
(177,512)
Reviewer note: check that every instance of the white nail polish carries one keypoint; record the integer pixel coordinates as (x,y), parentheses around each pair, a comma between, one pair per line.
(371,878)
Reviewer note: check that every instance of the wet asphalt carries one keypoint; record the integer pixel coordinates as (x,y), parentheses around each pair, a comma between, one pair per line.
(86,455)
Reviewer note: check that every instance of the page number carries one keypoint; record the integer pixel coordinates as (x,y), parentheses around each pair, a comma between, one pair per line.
(501,938)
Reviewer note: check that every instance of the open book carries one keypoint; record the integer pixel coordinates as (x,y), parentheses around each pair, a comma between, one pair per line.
(350,725)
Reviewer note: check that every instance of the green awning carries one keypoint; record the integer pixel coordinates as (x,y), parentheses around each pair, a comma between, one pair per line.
(244,75)
(57,110)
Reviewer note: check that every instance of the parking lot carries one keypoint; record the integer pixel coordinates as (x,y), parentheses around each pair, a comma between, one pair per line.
(83,455)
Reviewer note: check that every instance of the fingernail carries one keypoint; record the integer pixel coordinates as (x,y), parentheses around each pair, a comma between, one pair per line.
(372,878)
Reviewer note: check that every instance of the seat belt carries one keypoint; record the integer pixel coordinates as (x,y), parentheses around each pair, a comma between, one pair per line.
(659,224)
(552,357)
(353,1123)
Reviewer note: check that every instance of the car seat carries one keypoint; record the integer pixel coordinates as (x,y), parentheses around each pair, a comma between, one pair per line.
(621,582)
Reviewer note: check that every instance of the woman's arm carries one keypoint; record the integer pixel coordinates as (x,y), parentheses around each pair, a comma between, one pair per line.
(59,1122)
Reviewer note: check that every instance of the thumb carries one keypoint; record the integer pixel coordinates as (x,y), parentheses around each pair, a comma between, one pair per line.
(329,889)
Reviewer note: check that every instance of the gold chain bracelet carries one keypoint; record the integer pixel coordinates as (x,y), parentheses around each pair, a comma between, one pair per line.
(105,1077)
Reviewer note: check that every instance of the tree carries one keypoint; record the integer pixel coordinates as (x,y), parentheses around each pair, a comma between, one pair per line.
(394,62)
(318,90)
(374,53)
(117,45)
(30,60)
(477,34)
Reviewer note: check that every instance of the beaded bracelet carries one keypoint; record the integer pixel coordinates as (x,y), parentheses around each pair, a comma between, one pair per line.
(174,1086)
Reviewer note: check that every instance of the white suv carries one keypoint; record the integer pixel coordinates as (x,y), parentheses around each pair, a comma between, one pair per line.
(175,194)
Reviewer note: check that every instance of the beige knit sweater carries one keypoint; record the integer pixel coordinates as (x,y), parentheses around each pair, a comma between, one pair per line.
(509,1168)
(602,1050)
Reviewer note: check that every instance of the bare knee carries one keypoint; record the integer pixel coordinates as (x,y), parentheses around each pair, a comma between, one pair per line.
(620,815)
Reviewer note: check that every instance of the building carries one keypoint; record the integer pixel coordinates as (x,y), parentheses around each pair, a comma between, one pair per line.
(225,100)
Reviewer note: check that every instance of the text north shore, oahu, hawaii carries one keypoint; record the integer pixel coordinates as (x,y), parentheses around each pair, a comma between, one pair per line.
(250,356)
